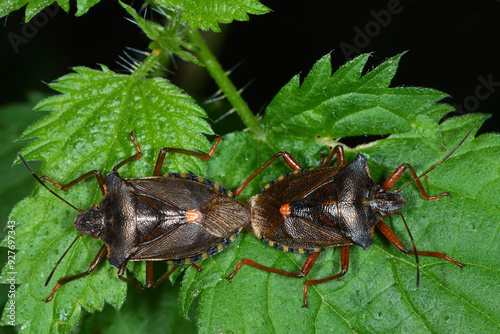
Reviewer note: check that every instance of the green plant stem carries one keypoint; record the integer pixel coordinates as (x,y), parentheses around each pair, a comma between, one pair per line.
(147,65)
(225,84)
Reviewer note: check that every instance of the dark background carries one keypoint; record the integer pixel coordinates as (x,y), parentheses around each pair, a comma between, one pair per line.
(450,46)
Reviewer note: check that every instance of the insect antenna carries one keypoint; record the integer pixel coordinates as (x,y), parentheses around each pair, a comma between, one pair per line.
(436,164)
(57,264)
(62,199)
(43,184)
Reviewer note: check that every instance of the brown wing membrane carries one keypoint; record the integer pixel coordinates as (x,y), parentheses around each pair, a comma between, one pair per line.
(222,216)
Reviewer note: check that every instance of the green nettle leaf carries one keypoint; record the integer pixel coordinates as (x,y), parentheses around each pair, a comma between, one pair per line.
(206,14)
(349,104)
(89,129)
(142,312)
(36,6)
(378,293)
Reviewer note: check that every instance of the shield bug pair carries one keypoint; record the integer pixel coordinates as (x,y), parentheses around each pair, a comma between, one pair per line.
(177,218)
(308,210)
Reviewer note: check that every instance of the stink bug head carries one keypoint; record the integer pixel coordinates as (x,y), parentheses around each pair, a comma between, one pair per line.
(386,202)
(90,222)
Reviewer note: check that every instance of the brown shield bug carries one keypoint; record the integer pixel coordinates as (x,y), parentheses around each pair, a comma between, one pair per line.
(177,218)
(308,210)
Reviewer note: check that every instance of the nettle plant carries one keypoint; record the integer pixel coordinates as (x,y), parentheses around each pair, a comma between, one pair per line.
(88,128)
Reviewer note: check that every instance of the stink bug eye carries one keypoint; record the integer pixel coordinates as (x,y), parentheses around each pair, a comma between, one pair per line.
(309,210)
